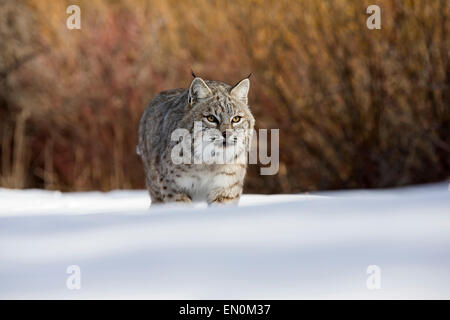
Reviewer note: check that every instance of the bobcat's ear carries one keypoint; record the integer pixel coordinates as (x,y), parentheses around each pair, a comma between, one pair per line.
(240,90)
(198,90)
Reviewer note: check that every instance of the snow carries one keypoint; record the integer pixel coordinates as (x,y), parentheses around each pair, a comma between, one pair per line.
(301,246)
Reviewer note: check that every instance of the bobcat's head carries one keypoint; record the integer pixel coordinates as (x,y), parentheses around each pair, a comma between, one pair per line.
(224,114)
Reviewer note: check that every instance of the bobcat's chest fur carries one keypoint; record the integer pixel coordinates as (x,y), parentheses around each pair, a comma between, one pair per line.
(198,184)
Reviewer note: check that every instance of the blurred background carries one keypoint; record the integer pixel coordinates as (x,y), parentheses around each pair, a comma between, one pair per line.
(356,108)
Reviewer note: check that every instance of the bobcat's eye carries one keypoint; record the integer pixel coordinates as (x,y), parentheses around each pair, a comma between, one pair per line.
(236,119)
(211,118)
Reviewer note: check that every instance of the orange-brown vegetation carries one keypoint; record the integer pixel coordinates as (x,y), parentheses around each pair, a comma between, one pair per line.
(356,108)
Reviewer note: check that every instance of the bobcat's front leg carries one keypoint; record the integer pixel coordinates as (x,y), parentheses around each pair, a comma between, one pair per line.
(173,195)
(230,195)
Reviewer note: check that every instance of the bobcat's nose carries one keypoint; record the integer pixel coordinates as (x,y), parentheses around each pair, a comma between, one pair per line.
(229,141)
(224,135)
(224,141)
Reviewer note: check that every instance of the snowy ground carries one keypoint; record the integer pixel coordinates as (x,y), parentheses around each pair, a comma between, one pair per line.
(270,247)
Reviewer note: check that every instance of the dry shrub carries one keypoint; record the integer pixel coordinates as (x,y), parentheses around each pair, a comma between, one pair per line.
(356,108)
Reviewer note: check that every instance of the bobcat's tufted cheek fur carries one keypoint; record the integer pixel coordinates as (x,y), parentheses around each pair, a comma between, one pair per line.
(226,123)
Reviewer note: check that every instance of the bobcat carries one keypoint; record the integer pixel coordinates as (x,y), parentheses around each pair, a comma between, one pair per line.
(226,123)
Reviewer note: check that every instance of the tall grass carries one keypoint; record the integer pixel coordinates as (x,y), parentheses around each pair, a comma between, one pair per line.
(356,108)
